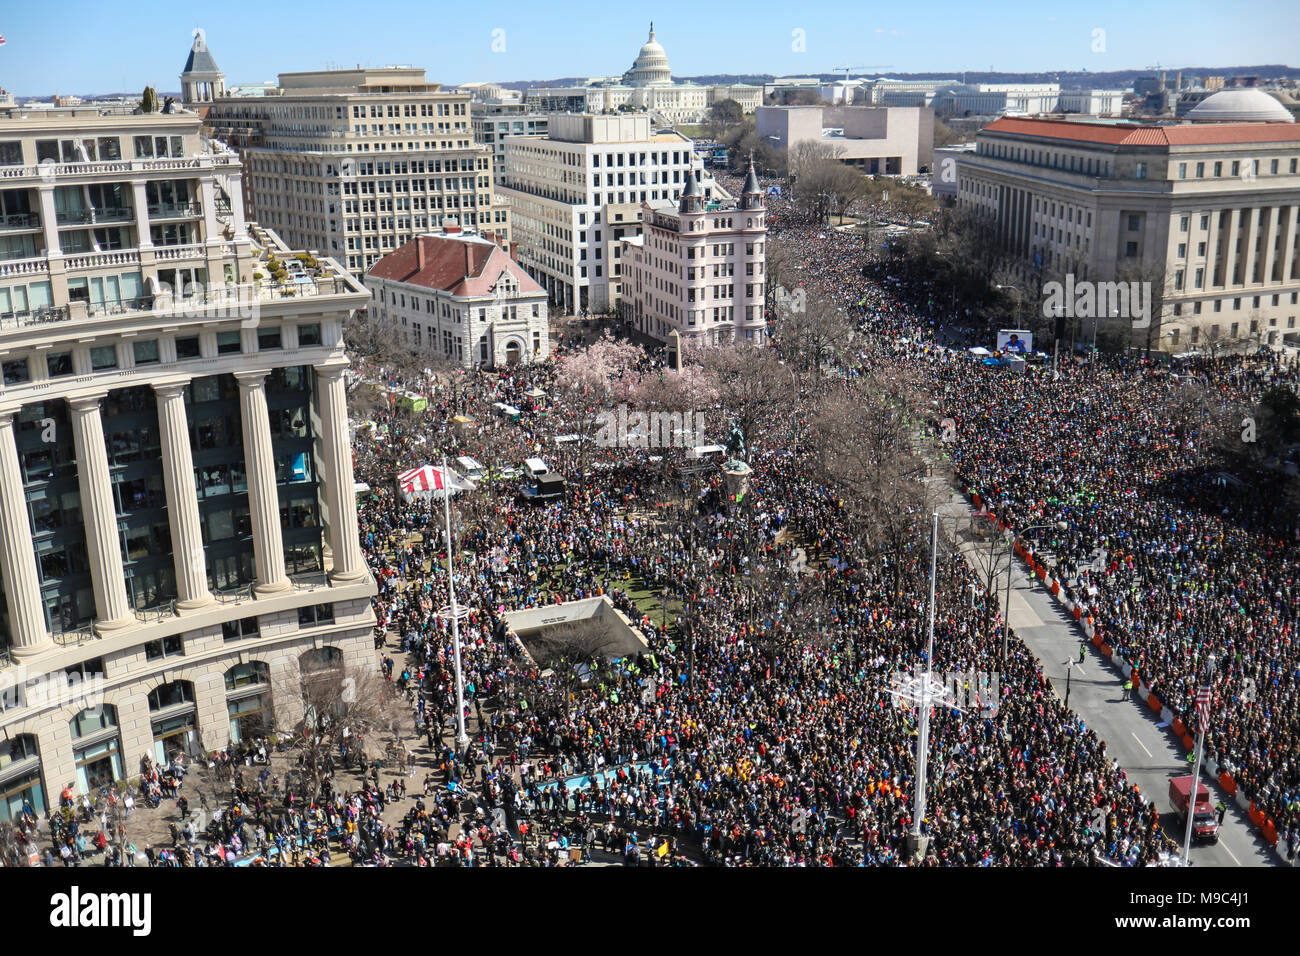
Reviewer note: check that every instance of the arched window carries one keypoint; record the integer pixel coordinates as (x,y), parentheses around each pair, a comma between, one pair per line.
(320,659)
(246,675)
(170,695)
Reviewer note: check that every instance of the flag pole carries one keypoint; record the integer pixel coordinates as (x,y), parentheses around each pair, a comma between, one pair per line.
(1202,724)
(462,738)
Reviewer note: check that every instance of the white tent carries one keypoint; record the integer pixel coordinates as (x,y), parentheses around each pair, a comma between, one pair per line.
(979,350)
(427,481)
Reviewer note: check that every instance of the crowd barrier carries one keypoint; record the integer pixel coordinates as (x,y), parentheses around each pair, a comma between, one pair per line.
(1266,827)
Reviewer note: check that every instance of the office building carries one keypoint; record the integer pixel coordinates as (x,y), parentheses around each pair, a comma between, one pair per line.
(1208,208)
(356,163)
(575,193)
(494,120)
(896,141)
(177,515)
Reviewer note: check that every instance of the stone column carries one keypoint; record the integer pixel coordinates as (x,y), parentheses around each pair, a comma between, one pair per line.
(140,198)
(263,496)
(17,554)
(49,221)
(182,500)
(99,514)
(344,538)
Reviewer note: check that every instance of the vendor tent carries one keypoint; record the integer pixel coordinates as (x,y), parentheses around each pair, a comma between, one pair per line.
(425,481)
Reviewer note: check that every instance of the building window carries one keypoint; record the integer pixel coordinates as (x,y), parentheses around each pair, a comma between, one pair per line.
(187,347)
(315,614)
(227,343)
(268,340)
(146,353)
(167,647)
(103,357)
(59,363)
(239,630)
(309,334)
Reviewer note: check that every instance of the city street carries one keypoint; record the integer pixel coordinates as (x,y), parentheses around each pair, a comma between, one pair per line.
(1147,752)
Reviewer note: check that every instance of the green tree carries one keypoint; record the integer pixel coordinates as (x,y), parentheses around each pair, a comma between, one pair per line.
(149,100)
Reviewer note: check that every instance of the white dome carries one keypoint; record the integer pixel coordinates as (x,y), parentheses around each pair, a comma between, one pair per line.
(1249,105)
(651,65)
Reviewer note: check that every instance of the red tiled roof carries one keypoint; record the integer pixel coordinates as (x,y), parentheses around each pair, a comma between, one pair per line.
(1133,134)
(457,266)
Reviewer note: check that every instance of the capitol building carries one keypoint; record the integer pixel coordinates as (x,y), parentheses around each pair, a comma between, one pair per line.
(647,86)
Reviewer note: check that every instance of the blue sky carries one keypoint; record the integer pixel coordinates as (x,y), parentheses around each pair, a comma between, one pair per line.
(86,46)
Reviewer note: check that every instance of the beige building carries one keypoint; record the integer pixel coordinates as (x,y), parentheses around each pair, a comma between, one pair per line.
(697,268)
(178,527)
(895,141)
(576,193)
(356,163)
(462,298)
(1208,209)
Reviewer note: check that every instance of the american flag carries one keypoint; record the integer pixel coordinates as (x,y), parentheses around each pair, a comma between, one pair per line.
(1203,708)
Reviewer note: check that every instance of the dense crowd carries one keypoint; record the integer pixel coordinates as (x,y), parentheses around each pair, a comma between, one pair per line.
(759,729)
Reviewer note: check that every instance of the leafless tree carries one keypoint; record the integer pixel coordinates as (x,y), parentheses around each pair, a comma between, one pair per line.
(338,708)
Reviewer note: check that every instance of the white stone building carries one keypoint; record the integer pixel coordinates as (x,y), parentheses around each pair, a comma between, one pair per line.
(462,298)
(698,268)
(177,516)
(1212,207)
(576,193)
(648,86)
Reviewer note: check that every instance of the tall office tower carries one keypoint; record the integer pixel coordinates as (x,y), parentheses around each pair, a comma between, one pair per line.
(356,163)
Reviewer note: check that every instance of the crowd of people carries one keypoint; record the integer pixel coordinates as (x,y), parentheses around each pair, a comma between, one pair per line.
(759,729)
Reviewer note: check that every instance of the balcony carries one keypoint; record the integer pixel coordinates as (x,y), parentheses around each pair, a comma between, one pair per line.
(100,260)
(119,167)
(173,210)
(194,250)
(21,320)
(20,220)
(13,268)
(87,217)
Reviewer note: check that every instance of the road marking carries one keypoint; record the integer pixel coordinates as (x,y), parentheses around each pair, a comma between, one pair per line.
(1141,744)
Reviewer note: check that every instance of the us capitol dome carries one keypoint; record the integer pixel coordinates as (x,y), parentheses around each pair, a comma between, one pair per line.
(651,65)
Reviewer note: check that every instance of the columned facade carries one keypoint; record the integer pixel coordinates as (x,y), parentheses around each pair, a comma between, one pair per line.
(183,514)
(344,537)
(263,496)
(17,560)
(113,610)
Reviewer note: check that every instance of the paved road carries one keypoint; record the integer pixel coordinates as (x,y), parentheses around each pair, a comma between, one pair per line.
(1146,751)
